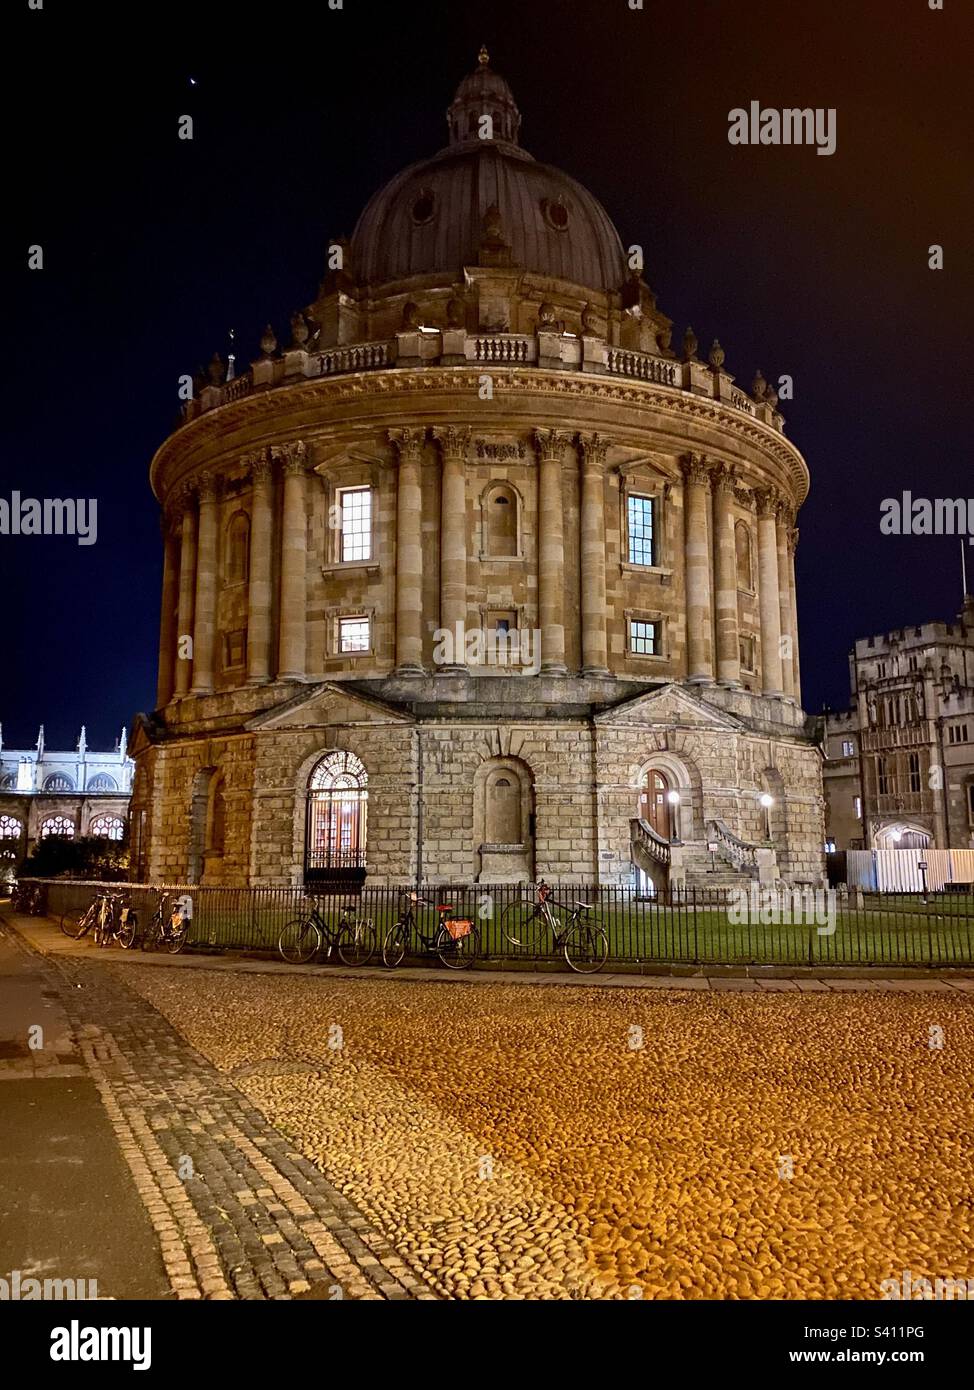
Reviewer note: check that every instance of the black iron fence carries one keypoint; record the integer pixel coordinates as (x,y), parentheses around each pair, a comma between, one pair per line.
(800,928)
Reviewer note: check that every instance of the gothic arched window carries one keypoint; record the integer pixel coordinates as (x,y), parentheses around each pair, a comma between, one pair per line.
(237,548)
(57,826)
(10,828)
(58,782)
(107,828)
(336,814)
(103,783)
(742,550)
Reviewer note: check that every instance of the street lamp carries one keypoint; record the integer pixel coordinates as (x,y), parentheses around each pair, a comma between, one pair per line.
(674,799)
(767,801)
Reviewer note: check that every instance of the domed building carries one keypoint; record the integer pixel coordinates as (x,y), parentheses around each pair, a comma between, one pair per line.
(476,579)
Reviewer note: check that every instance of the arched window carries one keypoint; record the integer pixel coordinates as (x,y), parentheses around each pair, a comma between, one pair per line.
(742,550)
(58,782)
(503,809)
(237,561)
(500,522)
(57,826)
(103,783)
(107,828)
(216,817)
(7,781)
(10,828)
(336,814)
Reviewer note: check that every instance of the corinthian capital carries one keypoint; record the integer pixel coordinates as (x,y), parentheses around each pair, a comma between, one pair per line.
(723,479)
(767,499)
(407,442)
(293,455)
(550,444)
(454,440)
(206,486)
(594,449)
(695,470)
(258,465)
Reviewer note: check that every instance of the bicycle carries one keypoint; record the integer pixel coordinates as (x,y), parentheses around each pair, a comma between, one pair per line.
(456,940)
(108,917)
(167,928)
(582,939)
(353,938)
(29,899)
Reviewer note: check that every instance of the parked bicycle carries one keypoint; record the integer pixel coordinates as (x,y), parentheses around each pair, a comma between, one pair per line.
(109,917)
(169,926)
(29,899)
(353,938)
(455,940)
(581,938)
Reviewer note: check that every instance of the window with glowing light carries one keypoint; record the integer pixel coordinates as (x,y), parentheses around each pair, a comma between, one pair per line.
(57,827)
(337,807)
(10,828)
(353,634)
(107,828)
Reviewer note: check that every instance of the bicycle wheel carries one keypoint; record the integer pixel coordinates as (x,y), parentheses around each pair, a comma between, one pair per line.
(459,954)
(178,939)
(523,926)
(127,931)
(586,947)
(395,944)
(356,942)
(300,939)
(77,926)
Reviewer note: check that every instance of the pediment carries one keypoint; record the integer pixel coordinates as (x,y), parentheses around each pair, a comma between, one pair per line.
(328,704)
(672,706)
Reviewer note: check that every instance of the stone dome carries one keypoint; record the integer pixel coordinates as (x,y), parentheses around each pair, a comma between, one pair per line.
(429,219)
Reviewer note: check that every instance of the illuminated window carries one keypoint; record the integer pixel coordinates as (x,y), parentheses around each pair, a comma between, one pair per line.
(103,783)
(57,827)
(640,513)
(10,828)
(356,513)
(58,782)
(353,634)
(337,805)
(107,828)
(857,806)
(644,638)
(848,748)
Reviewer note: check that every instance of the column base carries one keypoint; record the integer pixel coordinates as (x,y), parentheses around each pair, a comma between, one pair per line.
(409,668)
(555,669)
(596,671)
(701,680)
(259,680)
(201,690)
(773,694)
(452,670)
(292,675)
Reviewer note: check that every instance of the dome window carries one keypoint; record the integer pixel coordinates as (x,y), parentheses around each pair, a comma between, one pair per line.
(423,208)
(556,214)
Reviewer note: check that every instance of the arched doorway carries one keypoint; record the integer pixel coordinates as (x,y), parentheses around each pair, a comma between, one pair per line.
(504,821)
(336,820)
(902,836)
(655,807)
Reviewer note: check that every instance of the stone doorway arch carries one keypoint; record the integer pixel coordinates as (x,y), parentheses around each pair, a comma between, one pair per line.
(504,821)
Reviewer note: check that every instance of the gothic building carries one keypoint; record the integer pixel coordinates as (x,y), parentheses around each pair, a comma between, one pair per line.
(476,579)
(899,769)
(68,794)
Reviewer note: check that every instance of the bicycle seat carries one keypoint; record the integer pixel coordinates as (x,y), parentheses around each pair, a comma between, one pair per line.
(444,907)
(586,905)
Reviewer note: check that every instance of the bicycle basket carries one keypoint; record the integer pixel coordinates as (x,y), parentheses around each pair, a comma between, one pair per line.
(459,927)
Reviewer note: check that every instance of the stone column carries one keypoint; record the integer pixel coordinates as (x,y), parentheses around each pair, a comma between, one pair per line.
(409,551)
(187,591)
(699,613)
(771,678)
(292,643)
(595,641)
(551,550)
(204,617)
(725,577)
(783,520)
(168,621)
(260,599)
(793,590)
(454,444)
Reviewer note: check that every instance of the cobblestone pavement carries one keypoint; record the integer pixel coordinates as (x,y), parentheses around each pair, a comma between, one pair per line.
(576,1142)
(237,1211)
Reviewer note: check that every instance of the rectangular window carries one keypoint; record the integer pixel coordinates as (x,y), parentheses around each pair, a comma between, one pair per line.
(970,802)
(356,513)
(353,634)
(644,638)
(640,516)
(235,649)
(848,748)
(747,649)
(857,803)
(957,733)
(914,772)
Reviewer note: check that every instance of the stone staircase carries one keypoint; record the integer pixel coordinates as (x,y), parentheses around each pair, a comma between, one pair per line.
(690,864)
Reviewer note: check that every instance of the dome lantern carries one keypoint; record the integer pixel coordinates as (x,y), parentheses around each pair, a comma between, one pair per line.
(483,93)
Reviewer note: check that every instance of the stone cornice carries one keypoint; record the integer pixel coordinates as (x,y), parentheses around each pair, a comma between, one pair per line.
(267,412)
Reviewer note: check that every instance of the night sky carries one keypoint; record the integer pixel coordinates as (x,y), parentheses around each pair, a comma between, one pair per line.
(156,247)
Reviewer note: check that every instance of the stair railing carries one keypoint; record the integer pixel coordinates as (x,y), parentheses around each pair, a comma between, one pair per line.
(642,833)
